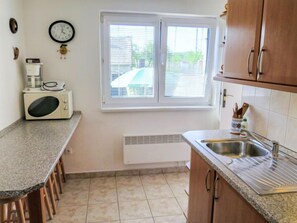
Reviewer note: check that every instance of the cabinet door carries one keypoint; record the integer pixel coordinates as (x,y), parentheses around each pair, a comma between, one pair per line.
(279,42)
(201,190)
(229,206)
(243,38)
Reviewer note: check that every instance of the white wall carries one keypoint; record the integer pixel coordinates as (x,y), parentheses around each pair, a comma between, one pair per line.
(11,71)
(97,144)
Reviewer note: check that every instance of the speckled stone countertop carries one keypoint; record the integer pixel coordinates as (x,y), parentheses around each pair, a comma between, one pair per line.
(29,152)
(280,208)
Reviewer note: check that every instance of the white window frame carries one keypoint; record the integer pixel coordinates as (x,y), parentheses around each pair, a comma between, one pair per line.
(160,23)
(193,22)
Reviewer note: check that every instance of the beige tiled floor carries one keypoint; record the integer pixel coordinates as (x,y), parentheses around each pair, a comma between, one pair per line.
(156,198)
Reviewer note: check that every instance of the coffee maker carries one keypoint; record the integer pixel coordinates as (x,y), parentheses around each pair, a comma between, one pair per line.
(34,75)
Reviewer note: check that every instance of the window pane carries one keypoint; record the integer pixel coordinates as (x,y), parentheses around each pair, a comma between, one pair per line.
(132,61)
(185,74)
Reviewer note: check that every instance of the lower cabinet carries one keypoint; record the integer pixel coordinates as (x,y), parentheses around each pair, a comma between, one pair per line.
(212,199)
(201,190)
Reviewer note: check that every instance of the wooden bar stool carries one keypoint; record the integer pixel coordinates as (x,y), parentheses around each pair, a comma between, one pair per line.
(53,190)
(12,210)
(62,169)
(60,174)
(47,204)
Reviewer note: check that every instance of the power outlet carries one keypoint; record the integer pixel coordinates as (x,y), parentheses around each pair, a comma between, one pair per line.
(69,150)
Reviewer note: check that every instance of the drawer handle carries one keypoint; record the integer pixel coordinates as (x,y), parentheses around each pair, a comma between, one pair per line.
(216,196)
(206,181)
(259,64)
(248,62)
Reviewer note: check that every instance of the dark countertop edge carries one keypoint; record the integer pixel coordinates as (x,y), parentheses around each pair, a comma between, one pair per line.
(18,193)
(227,174)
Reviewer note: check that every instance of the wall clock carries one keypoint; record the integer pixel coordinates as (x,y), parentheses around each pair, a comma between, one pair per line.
(61,31)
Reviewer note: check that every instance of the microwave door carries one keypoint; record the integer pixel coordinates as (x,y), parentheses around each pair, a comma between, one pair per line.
(43,106)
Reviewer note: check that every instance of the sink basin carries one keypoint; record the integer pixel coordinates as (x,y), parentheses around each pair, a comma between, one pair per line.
(254,164)
(236,149)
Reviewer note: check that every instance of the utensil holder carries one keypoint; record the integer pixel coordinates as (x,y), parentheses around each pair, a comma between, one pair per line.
(236,125)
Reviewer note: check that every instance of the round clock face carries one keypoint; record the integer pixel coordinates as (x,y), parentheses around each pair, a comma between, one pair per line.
(61,31)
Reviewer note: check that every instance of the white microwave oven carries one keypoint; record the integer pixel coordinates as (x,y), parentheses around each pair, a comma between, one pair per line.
(48,105)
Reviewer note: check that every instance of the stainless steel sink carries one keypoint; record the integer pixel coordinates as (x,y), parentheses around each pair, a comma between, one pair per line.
(255,164)
(236,149)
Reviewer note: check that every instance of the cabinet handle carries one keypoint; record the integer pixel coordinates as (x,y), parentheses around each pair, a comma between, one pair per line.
(248,62)
(206,181)
(216,196)
(259,64)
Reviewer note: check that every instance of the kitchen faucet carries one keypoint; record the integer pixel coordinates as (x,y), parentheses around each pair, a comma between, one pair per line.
(275,144)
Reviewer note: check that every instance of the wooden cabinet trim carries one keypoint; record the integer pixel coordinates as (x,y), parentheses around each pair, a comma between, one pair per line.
(278,87)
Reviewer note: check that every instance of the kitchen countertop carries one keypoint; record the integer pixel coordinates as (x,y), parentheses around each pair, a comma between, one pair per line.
(279,208)
(29,151)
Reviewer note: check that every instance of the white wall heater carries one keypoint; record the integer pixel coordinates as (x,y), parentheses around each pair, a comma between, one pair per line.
(143,149)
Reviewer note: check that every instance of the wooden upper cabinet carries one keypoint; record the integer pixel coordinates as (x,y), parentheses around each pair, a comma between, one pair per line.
(243,38)
(279,42)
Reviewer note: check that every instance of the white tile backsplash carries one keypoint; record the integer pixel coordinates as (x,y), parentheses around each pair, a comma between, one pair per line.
(293,106)
(259,120)
(277,127)
(248,94)
(262,98)
(291,133)
(279,102)
(272,114)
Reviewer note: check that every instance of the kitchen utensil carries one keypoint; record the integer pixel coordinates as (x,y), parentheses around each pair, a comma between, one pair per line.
(245,106)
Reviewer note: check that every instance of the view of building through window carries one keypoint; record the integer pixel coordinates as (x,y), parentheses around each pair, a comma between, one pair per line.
(132,61)
(186,61)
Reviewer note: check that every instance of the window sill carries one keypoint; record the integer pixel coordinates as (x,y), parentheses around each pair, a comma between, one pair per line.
(163,108)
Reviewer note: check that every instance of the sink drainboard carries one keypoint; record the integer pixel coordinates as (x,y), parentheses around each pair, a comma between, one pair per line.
(266,175)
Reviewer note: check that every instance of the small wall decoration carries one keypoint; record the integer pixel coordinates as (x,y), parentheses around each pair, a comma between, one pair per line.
(13,25)
(16,53)
(63,51)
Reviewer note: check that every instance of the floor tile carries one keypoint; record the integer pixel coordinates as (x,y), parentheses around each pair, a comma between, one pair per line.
(145,220)
(153,179)
(74,214)
(124,181)
(134,210)
(152,171)
(103,195)
(158,191)
(165,207)
(102,183)
(131,193)
(178,188)
(77,185)
(103,212)
(183,202)
(171,219)
(177,178)
(74,198)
